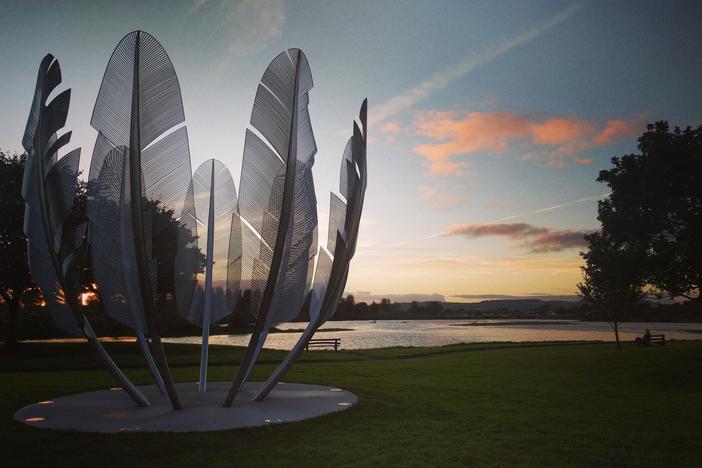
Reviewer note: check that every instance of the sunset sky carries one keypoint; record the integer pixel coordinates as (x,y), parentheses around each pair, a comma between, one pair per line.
(489,120)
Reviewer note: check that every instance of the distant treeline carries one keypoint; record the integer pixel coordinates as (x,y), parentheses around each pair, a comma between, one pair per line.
(35,323)
(509,309)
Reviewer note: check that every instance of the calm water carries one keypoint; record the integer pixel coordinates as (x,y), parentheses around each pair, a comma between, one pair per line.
(424,333)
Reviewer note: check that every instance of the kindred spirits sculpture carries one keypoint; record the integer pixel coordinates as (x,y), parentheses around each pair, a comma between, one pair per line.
(156,230)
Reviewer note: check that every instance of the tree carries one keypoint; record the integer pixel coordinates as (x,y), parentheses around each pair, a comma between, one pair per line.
(656,202)
(14,271)
(613,277)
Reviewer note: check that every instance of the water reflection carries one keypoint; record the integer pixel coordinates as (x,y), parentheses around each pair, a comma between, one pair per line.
(425,333)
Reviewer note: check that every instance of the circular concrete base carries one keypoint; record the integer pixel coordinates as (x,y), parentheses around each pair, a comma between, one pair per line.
(113,411)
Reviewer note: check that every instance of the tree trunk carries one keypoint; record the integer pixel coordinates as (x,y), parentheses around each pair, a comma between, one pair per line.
(11,343)
(616,335)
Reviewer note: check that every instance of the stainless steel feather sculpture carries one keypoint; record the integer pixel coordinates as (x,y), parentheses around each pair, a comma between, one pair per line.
(331,274)
(56,247)
(140,181)
(161,236)
(215,213)
(276,201)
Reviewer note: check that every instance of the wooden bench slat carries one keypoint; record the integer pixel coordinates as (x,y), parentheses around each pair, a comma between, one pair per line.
(323,342)
(658,339)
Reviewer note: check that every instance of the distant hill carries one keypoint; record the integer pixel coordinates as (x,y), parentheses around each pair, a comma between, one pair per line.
(495,297)
(365,296)
(516,305)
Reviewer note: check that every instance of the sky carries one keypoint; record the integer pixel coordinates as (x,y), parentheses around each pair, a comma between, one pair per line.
(488,120)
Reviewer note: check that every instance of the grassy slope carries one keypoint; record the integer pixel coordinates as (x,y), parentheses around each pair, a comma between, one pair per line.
(483,405)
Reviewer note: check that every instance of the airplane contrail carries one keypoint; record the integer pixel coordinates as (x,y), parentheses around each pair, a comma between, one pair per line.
(443,78)
(551,208)
(515,216)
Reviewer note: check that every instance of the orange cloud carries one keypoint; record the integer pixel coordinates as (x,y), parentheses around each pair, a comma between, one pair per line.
(476,132)
(390,127)
(560,130)
(554,140)
(438,162)
(616,130)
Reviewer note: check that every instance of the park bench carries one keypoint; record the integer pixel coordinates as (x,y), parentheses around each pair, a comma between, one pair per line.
(657,339)
(324,343)
(653,339)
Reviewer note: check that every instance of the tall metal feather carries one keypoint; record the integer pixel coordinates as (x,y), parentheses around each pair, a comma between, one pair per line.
(331,274)
(139,115)
(276,200)
(218,285)
(56,246)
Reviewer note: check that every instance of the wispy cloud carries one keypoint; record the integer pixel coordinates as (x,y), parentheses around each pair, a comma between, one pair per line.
(500,204)
(538,239)
(554,140)
(617,129)
(441,200)
(511,217)
(390,130)
(442,79)
(243,27)
(196,5)
(390,127)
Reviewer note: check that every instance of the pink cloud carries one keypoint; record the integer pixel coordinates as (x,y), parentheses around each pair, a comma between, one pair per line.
(537,238)
(511,230)
(554,140)
(554,241)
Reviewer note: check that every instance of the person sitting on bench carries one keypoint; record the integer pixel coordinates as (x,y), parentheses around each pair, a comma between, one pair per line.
(644,340)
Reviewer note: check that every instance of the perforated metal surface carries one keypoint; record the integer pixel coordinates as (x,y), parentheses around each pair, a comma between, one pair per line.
(169,238)
(225,282)
(55,236)
(48,188)
(139,108)
(331,274)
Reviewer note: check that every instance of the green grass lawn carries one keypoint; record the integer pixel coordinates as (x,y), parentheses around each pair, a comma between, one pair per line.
(551,404)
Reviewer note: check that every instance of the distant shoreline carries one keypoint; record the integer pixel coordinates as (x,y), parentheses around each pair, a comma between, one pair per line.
(515,322)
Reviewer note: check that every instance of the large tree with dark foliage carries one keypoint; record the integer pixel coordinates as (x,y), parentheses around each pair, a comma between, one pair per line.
(651,236)
(613,277)
(656,203)
(14,272)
